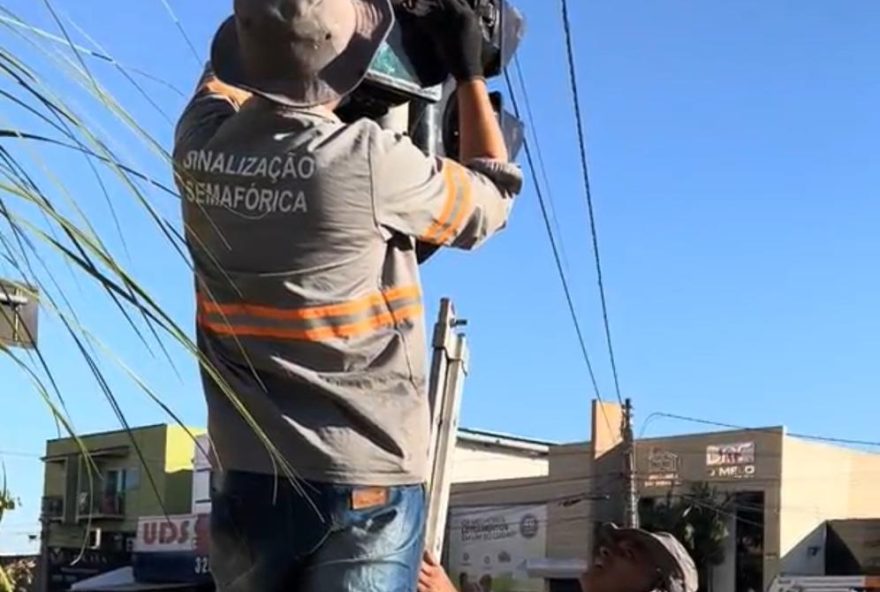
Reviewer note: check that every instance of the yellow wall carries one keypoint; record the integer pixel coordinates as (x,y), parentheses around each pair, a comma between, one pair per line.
(180,448)
(821,482)
(167,453)
(179,458)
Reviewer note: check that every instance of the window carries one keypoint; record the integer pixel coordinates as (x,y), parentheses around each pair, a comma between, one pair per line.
(104,495)
(114,482)
(132,478)
(118,481)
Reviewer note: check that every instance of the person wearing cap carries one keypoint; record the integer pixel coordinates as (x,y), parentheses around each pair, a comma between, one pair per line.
(303,232)
(636,560)
(625,560)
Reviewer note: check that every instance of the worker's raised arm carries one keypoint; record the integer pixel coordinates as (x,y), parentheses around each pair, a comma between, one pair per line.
(213,103)
(436,200)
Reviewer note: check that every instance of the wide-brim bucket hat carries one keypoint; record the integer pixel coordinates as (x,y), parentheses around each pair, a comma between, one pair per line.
(300,53)
(666,551)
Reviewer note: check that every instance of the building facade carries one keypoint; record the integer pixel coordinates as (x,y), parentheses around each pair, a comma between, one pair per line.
(772,492)
(92,504)
(480,456)
(172,549)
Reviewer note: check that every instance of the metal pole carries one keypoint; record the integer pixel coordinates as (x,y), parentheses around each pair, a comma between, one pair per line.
(448,372)
(12,299)
(631,509)
(424,126)
(42,583)
(441,343)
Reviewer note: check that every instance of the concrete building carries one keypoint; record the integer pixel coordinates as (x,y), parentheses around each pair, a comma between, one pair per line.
(96,501)
(774,493)
(786,503)
(136,540)
(480,456)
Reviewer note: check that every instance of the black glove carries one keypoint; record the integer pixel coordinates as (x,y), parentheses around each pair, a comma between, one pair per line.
(456,30)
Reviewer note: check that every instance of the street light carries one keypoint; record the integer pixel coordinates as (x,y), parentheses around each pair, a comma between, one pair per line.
(18,315)
(12,300)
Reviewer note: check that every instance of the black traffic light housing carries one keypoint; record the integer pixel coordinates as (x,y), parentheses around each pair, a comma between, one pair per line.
(408,69)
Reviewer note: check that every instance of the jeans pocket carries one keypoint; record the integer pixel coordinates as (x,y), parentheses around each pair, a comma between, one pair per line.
(394,526)
(368,504)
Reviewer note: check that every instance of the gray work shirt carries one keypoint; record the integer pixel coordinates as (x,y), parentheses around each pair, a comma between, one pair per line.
(302,230)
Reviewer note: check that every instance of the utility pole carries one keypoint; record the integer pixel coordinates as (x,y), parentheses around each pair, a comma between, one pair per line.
(19,308)
(631,508)
(41,583)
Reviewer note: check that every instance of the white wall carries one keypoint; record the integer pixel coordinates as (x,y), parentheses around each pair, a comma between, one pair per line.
(201,491)
(477,462)
(821,482)
(473,462)
(807,558)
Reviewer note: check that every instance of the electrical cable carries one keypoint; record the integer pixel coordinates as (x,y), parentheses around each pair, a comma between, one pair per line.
(13,21)
(553,244)
(533,127)
(718,424)
(562,263)
(182,31)
(582,145)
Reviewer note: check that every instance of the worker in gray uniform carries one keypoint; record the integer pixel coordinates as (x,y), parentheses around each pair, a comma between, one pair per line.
(303,233)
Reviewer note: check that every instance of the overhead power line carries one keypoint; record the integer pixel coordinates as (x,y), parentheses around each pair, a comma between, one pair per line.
(553,241)
(181,30)
(730,426)
(533,128)
(8,19)
(582,145)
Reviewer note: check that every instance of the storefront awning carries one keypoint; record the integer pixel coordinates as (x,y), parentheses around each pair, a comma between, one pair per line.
(112,452)
(556,569)
(852,547)
(120,580)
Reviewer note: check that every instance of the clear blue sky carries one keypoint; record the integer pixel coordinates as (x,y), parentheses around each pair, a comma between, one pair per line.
(733,149)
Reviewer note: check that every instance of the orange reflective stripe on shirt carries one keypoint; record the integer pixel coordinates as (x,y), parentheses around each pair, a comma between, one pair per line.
(312,312)
(317,323)
(455,207)
(464,205)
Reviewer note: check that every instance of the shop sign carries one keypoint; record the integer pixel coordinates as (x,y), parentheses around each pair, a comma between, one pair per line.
(172,534)
(663,469)
(173,549)
(68,566)
(731,461)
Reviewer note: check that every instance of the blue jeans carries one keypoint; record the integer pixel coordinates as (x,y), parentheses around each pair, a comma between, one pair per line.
(267,537)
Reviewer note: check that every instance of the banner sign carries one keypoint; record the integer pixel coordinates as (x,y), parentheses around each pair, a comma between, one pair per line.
(489,545)
(167,535)
(735,461)
(173,549)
